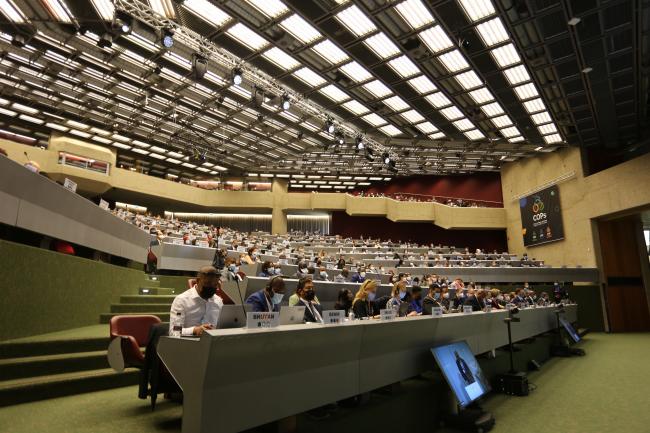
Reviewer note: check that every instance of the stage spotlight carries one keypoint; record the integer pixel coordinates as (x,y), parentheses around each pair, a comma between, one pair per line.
(199,66)
(329,126)
(123,23)
(359,143)
(18,40)
(105,41)
(237,76)
(157,69)
(286,103)
(340,138)
(386,157)
(167,38)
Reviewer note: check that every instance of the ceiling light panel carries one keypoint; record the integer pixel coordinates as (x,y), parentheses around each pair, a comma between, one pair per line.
(468,80)
(309,77)
(383,47)
(396,103)
(526,91)
(453,61)
(481,96)
(541,118)
(501,121)
(422,85)
(390,130)
(415,13)
(477,9)
(404,67)
(356,72)
(553,138)
(412,116)
(104,8)
(474,134)
(516,75)
(426,127)
(355,107)
(506,55)
(334,93)
(300,29)
(534,105)
(492,32)
(206,11)
(374,119)
(247,37)
(377,88)
(436,39)
(280,58)
(549,128)
(57,8)
(438,100)
(463,125)
(355,21)
(270,8)
(492,109)
(511,131)
(451,113)
(330,52)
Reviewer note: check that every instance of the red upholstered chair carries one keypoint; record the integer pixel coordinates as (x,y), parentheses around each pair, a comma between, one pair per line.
(191,282)
(134,333)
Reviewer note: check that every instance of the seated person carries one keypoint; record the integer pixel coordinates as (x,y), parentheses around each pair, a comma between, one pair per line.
(267,270)
(343,276)
(397,294)
(322,274)
(251,257)
(344,301)
(313,310)
(269,298)
(496,299)
(360,275)
(302,269)
(416,300)
(472,300)
(340,264)
(199,306)
(362,304)
(519,299)
(432,300)
(543,299)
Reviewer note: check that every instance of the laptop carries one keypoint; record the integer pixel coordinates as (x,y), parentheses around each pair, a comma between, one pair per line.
(292,315)
(233,316)
(403,309)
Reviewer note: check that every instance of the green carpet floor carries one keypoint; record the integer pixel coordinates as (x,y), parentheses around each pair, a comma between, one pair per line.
(602,392)
(92,331)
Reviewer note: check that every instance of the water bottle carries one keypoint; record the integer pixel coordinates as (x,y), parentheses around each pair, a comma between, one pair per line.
(351,316)
(176,324)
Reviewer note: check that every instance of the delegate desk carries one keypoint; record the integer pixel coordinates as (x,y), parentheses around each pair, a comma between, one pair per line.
(509,275)
(235,379)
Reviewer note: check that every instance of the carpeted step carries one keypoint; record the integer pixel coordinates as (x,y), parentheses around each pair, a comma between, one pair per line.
(151,282)
(147,299)
(33,366)
(57,385)
(106,317)
(139,308)
(158,291)
(53,347)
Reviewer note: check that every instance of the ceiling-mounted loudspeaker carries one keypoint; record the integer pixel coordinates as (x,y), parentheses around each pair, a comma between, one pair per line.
(199,66)
(105,40)
(18,40)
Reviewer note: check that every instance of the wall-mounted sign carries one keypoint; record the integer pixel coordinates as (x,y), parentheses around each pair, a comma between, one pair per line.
(541,217)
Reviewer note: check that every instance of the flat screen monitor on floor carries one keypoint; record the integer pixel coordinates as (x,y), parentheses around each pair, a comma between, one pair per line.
(569,329)
(462,371)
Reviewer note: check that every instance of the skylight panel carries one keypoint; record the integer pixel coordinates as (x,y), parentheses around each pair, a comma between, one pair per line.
(477,9)
(309,77)
(300,29)
(57,8)
(355,107)
(374,119)
(549,128)
(355,21)
(246,36)
(534,105)
(334,93)
(493,109)
(377,88)
(516,139)
(396,103)
(553,138)
(505,55)
(104,8)
(468,80)
(481,96)
(281,59)
(541,118)
(526,91)
(492,32)
(356,72)
(426,127)
(451,113)
(502,121)
(516,75)
(206,11)
(436,39)
(382,46)
(390,130)
(330,52)
(453,61)
(404,67)
(414,13)
(463,125)
(422,84)
(474,134)
(511,131)
(412,116)
(438,100)
(270,8)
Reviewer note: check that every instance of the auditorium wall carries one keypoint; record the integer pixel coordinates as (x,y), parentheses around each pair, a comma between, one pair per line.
(44,291)
(380,227)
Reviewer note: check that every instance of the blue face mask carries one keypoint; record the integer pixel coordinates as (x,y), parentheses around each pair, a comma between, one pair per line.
(232,268)
(402,295)
(278,271)
(277,298)
(436,296)
(371,296)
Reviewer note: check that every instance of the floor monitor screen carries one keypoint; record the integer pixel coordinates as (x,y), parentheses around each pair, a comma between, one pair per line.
(569,329)
(462,371)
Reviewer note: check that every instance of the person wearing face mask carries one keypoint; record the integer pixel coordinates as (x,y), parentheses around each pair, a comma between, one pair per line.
(432,300)
(362,305)
(416,300)
(343,276)
(472,300)
(302,269)
(322,274)
(344,301)
(199,305)
(269,298)
(360,276)
(543,299)
(267,270)
(496,299)
(397,295)
(313,310)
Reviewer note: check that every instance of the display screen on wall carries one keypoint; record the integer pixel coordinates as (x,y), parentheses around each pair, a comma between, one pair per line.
(541,217)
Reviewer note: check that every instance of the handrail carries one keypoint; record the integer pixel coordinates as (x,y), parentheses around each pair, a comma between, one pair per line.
(441,199)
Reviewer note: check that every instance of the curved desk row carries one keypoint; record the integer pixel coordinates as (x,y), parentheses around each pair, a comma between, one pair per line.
(235,379)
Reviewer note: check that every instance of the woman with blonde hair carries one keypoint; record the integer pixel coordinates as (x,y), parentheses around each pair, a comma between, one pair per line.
(398,293)
(363,300)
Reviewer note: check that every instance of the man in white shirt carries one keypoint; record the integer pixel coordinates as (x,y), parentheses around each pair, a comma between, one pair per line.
(200,305)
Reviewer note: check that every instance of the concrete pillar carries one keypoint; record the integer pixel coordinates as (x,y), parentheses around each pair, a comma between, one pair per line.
(279,190)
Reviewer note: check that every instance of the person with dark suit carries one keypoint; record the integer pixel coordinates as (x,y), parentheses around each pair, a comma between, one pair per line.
(341,263)
(344,301)
(362,305)
(431,300)
(473,300)
(359,276)
(313,310)
(269,298)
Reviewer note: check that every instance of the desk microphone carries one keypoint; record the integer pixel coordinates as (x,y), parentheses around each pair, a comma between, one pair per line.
(26,156)
(232,275)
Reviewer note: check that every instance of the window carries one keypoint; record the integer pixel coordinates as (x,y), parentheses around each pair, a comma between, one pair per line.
(84,163)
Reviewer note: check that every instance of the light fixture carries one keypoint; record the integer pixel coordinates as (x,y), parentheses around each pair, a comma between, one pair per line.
(167,38)
(574,21)
(329,126)
(105,41)
(18,40)
(386,157)
(587,69)
(340,138)
(286,102)
(123,22)
(199,66)
(359,143)
(237,76)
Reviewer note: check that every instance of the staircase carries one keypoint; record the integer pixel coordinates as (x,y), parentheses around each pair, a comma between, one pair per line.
(152,299)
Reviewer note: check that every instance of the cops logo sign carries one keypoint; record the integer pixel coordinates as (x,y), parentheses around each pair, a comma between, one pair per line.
(541,217)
